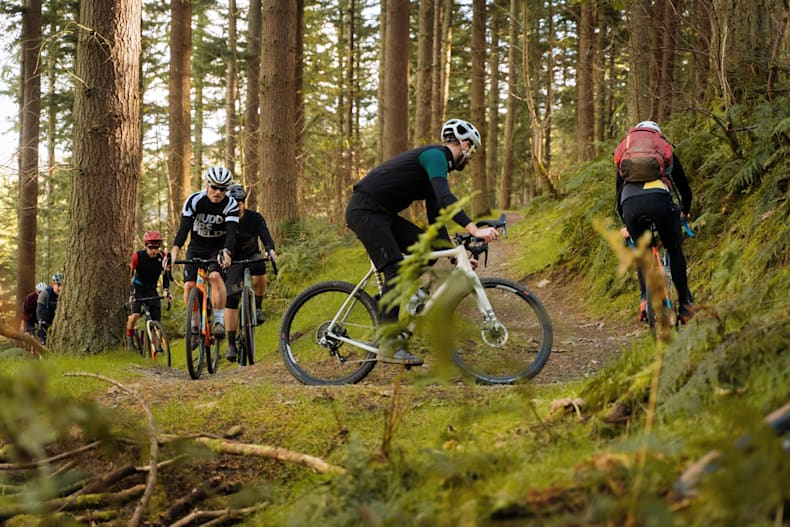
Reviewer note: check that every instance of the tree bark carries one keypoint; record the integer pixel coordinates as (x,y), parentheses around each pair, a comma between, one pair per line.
(423,132)
(30,114)
(106,164)
(252,118)
(640,22)
(505,191)
(231,90)
(491,139)
(477,165)
(278,132)
(395,111)
(585,98)
(180,151)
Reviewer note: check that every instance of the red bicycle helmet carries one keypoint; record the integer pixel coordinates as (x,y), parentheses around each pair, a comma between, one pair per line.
(152,237)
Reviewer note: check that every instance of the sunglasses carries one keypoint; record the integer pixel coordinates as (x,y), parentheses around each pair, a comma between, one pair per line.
(219,188)
(153,247)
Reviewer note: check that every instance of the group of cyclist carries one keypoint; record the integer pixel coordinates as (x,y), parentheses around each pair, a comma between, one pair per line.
(222,229)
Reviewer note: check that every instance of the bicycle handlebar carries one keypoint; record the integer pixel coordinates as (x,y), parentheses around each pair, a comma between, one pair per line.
(145,300)
(199,261)
(248,261)
(478,246)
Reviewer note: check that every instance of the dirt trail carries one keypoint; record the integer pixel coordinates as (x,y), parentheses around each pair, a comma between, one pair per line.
(582,344)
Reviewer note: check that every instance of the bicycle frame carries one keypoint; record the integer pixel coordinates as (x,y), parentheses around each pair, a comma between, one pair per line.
(463,265)
(204,285)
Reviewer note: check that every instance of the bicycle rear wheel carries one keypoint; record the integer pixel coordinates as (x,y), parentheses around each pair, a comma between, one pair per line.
(246,335)
(516,347)
(160,343)
(311,352)
(194,343)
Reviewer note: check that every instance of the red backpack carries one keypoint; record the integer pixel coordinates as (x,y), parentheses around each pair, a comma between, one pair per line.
(644,155)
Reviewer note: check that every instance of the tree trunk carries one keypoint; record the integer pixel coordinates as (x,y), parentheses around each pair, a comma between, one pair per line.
(491,139)
(91,310)
(585,98)
(477,165)
(505,191)
(423,132)
(395,110)
(180,151)
(278,132)
(640,24)
(230,93)
(252,118)
(30,113)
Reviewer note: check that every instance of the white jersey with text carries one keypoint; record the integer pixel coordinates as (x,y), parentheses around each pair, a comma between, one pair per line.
(208,220)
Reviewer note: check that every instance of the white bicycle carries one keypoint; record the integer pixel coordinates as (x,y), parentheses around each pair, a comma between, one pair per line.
(501,331)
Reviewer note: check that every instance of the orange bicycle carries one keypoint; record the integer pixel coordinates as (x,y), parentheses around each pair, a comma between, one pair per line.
(201,346)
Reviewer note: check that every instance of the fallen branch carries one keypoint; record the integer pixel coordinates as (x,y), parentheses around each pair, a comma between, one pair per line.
(42,462)
(209,488)
(224,446)
(82,502)
(28,341)
(153,444)
(217,517)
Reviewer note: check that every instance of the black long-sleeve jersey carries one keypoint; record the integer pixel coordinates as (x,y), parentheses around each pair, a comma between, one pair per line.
(252,227)
(212,225)
(418,174)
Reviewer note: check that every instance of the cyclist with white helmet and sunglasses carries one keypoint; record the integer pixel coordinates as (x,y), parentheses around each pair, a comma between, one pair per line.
(211,219)
(420,174)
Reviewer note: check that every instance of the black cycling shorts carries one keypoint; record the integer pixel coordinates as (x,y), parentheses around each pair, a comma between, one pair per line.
(152,299)
(234,277)
(190,270)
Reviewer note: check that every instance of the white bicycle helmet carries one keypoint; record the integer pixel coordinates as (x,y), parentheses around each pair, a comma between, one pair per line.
(649,124)
(218,176)
(460,130)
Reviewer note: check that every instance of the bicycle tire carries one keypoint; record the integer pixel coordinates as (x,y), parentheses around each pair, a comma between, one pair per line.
(195,355)
(305,323)
(667,313)
(516,349)
(161,345)
(139,338)
(246,334)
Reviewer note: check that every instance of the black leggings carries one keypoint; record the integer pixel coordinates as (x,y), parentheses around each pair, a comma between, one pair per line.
(658,208)
(386,237)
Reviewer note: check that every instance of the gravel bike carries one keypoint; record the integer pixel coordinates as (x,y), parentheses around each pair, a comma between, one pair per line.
(202,347)
(245,336)
(152,338)
(501,331)
(664,310)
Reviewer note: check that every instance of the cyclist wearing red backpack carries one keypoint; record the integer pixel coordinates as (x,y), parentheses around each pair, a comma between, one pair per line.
(648,174)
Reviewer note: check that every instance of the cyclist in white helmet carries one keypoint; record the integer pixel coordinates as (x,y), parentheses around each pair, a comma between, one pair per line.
(211,219)
(420,174)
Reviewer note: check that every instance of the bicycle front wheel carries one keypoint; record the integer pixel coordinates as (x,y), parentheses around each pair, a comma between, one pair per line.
(194,343)
(160,343)
(311,349)
(246,336)
(513,345)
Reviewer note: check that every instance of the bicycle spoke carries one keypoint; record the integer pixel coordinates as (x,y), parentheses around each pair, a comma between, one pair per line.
(312,351)
(514,346)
